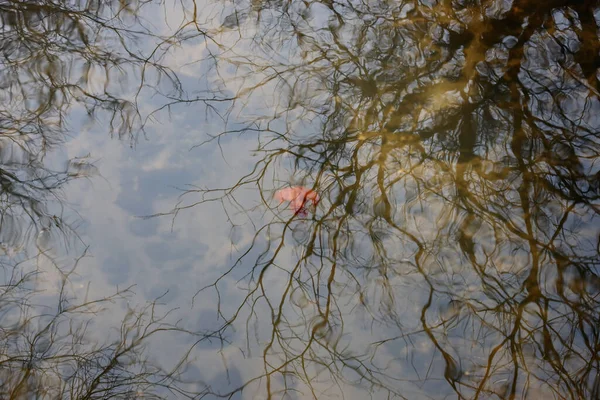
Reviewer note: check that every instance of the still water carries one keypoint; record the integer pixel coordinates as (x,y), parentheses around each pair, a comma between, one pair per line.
(299,200)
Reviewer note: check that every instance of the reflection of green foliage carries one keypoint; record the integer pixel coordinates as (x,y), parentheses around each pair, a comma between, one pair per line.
(454,145)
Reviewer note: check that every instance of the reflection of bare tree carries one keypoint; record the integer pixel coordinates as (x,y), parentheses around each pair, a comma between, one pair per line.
(456,146)
(52,52)
(56,55)
(52,351)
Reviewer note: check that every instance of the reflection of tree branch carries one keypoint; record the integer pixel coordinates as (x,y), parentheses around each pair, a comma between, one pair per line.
(52,353)
(432,138)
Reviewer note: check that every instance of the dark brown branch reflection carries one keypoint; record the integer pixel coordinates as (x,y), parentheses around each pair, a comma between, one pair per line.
(454,146)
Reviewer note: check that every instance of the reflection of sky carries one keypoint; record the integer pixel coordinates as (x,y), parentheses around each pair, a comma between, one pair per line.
(178,258)
(129,250)
(160,255)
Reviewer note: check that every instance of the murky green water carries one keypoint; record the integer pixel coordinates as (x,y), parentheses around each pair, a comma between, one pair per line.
(299,200)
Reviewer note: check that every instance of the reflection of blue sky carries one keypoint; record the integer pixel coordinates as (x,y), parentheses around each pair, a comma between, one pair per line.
(158,256)
(161,256)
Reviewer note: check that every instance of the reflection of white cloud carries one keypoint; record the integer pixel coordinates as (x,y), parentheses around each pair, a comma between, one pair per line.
(196,250)
(161,161)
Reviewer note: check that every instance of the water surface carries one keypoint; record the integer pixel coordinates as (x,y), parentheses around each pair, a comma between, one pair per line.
(453,251)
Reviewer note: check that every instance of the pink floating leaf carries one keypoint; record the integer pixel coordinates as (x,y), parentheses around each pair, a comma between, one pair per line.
(298,196)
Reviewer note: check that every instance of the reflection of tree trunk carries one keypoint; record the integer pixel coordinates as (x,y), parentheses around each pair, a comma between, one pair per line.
(357,90)
(467,140)
(519,145)
(588,56)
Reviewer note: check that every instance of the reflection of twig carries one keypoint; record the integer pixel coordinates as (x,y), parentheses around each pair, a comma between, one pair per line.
(378,131)
(55,354)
